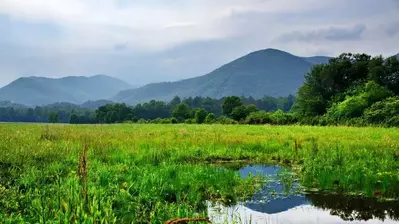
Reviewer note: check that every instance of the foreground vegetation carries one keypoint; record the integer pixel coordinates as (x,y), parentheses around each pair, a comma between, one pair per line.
(152,173)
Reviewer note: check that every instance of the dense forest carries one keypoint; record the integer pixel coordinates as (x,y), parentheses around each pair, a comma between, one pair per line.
(352,89)
(118,113)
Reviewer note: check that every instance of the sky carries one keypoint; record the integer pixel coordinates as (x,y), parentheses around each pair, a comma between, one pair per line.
(144,41)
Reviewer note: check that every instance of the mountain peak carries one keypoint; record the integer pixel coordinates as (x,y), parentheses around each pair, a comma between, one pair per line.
(270,51)
(268,72)
(72,89)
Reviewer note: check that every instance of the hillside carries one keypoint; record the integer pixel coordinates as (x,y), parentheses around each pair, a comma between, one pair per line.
(10,104)
(266,72)
(40,91)
(317,59)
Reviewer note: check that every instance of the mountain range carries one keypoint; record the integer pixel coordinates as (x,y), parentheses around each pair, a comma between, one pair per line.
(32,91)
(268,72)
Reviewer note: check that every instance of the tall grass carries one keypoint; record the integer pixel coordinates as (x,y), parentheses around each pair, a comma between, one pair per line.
(155,173)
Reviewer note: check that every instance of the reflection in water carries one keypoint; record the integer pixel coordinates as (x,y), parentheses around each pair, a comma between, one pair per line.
(276,204)
(356,208)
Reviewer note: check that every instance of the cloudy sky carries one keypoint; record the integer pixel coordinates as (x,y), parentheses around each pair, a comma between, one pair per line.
(142,41)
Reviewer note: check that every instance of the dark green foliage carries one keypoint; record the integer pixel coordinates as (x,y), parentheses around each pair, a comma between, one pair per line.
(260,117)
(383,111)
(78,114)
(54,118)
(275,118)
(211,118)
(182,112)
(200,115)
(344,90)
(175,102)
(241,112)
(354,106)
(74,119)
(114,113)
(226,120)
(152,110)
(229,103)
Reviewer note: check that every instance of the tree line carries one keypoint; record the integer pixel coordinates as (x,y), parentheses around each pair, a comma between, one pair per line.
(351,89)
(149,111)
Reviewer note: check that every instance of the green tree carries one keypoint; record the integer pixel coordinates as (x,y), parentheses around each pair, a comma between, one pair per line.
(326,81)
(381,112)
(175,102)
(54,117)
(200,115)
(74,119)
(251,108)
(211,118)
(182,112)
(239,113)
(229,103)
(111,117)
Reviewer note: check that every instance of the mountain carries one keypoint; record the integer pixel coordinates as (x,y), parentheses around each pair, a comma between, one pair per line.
(40,91)
(95,104)
(317,59)
(10,104)
(267,72)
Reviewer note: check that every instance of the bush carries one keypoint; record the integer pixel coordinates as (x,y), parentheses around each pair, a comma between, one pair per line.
(190,121)
(142,121)
(260,117)
(226,120)
(210,119)
(239,113)
(393,122)
(382,112)
(173,120)
(200,115)
(356,102)
(278,117)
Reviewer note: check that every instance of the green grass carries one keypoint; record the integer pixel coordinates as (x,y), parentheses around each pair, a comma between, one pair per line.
(152,173)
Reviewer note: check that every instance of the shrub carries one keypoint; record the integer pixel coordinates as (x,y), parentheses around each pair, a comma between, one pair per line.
(383,111)
(226,120)
(356,102)
(260,117)
(200,115)
(210,119)
(142,121)
(393,122)
(173,120)
(190,121)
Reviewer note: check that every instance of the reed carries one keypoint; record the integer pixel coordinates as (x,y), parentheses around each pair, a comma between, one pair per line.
(154,173)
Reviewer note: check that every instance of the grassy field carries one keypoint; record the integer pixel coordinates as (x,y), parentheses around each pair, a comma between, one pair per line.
(153,173)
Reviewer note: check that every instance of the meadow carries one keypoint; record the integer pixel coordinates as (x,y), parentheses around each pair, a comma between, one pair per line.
(154,173)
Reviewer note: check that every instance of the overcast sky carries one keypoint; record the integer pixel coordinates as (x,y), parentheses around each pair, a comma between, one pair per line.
(142,41)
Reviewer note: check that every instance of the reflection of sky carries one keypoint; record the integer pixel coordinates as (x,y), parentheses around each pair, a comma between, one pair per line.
(305,214)
(263,202)
(280,209)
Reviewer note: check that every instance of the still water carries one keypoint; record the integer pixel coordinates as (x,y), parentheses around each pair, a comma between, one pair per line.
(281,201)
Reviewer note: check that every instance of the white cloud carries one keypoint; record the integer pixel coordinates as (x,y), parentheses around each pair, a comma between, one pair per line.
(90,31)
